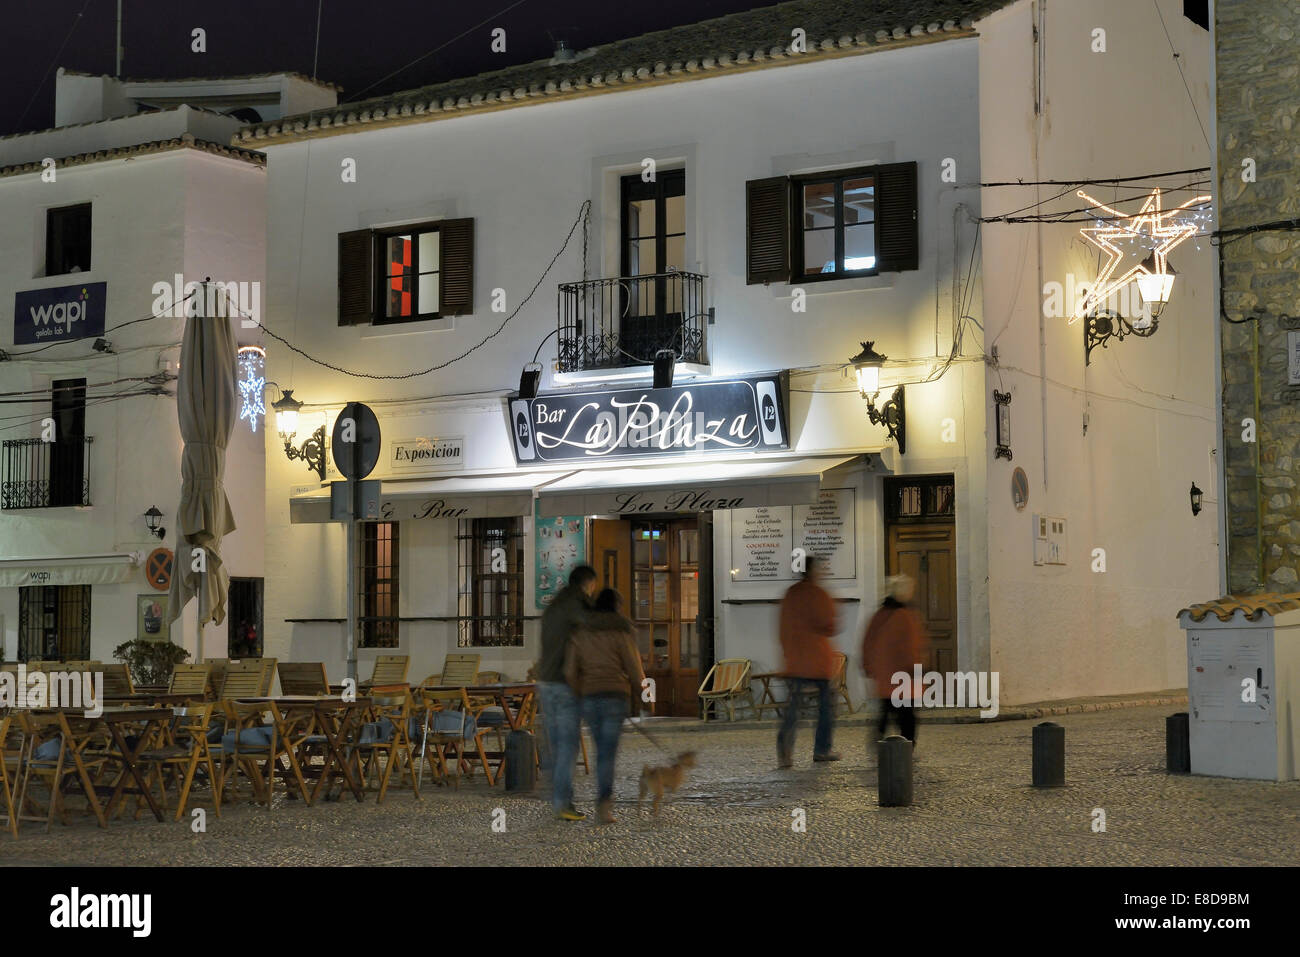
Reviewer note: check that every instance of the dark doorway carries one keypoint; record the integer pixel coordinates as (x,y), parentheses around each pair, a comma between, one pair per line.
(68,450)
(921,542)
(244,618)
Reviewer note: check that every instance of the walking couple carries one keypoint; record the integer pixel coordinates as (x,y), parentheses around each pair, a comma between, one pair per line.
(894,642)
(589,669)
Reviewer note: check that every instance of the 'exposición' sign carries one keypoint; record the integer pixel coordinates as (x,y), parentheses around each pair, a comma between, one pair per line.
(714,416)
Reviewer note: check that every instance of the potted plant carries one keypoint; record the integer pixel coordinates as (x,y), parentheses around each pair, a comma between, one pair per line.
(150,662)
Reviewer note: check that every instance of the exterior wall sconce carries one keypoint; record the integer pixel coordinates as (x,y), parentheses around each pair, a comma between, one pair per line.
(529,380)
(867,364)
(1196,499)
(153,518)
(1156,284)
(1101,327)
(312,451)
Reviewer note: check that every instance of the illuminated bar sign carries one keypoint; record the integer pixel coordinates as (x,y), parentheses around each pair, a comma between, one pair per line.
(60,314)
(713,416)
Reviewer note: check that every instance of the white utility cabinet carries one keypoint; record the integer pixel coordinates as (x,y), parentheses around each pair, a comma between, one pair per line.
(1243,694)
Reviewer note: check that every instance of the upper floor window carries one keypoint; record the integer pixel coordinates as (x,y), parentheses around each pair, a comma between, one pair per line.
(653,223)
(832,225)
(67,240)
(406,273)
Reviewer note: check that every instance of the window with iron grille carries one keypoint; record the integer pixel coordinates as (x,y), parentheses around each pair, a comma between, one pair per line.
(54,623)
(67,240)
(377,580)
(919,498)
(491,582)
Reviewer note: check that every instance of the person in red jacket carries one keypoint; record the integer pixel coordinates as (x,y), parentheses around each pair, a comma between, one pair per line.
(808,621)
(894,643)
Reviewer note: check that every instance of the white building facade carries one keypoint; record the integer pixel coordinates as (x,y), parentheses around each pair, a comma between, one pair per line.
(751,209)
(110,219)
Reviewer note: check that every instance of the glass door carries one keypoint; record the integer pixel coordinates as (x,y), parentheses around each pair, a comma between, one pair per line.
(665,609)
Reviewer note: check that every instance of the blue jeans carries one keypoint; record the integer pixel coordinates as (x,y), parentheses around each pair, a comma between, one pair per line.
(562,722)
(825,716)
(605,714)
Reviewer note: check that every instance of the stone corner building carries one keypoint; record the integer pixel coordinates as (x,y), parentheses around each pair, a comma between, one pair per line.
(1257,67)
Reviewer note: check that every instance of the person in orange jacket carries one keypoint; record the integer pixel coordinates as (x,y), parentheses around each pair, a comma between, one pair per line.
(808,621)
(895,642)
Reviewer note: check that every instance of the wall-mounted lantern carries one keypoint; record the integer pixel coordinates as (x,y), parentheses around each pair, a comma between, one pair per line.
(153,519)
(867,365)
(1196,499)
(312,451)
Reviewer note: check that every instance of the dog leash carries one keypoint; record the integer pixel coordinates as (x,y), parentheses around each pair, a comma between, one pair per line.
(651,738)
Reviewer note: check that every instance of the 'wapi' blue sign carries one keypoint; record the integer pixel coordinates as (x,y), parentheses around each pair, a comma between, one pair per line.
(59,314)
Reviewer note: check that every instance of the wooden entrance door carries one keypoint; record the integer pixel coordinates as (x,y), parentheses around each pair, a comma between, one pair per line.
(927,553)
(654,565)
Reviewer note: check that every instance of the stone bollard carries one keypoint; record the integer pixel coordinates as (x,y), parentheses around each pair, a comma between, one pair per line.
(1178,744)
(1049,755)
(521,761)
(894,781)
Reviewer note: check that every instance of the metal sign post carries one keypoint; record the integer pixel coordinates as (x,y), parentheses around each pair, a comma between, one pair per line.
(356,451)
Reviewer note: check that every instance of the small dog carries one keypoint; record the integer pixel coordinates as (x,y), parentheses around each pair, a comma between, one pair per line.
(659,780)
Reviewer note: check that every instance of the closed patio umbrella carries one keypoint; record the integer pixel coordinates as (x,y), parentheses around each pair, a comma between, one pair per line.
(205,407)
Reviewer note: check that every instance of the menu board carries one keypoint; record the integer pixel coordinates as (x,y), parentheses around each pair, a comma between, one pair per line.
(559,547)
(762,539)
(826,531)
(760,543)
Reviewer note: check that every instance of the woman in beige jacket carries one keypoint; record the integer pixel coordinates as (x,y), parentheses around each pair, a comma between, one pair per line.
(604,670)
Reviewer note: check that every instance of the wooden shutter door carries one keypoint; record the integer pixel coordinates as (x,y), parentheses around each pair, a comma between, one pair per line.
(897,237)
(356,279)
(767,230)
(456,281)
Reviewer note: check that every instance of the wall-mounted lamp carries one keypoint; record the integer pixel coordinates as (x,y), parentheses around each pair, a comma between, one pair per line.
(1196,499)
(102,345)
(664,362)
(312,450)
(867,364)
(1100,327)
(1156,284)
(153,518)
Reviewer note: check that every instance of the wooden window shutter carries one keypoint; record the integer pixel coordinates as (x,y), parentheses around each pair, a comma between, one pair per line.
(897,238)
(767,230)
(356,279)
(456,281)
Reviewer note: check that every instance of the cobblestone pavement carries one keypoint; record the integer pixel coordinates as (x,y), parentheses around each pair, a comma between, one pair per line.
(973,805)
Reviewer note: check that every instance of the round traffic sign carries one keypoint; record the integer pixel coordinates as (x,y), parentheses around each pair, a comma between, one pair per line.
(1019,489)
(356,441)
(158,568)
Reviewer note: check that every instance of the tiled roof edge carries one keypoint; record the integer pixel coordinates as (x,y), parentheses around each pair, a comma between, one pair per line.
(185,141)
(325,84)
(1250,607)
(408,107)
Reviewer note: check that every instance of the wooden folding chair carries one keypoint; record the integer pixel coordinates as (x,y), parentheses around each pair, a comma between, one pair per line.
(81,750)
(11,770)
(186,750)
(303,678)
(460,670)
(454,702)
(388,736)
(251,741)
(217,675)
(726,683)
(389,670)
(192,680)
(268,674)
(117,681)
(242,679)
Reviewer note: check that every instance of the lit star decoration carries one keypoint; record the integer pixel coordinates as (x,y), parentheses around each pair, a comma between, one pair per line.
(252,383)
(1129,240)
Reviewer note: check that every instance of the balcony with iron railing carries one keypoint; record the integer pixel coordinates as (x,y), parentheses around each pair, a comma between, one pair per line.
(624,322)
(40,474)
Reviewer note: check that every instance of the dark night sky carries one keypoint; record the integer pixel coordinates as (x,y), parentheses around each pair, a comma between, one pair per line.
(360,42)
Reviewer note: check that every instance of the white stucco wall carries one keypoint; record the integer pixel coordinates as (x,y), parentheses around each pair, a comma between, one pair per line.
(152,217)
(522,174)
(1060,631)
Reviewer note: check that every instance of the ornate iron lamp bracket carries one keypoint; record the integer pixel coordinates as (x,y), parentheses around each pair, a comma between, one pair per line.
(312,452)
(1100,327)
(892,416)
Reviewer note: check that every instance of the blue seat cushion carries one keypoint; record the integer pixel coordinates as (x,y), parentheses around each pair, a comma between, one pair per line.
(448,722)
(249,739)
(492,717)
(47,750)
(376,732)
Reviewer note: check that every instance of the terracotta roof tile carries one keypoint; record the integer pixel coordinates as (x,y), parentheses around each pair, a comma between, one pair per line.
(747,40)
(1252,607)
(184,141)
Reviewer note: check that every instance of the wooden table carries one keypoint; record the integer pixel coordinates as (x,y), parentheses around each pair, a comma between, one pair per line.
(294,730)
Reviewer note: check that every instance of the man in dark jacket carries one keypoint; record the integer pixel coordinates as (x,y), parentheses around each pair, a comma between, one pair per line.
(561,717)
